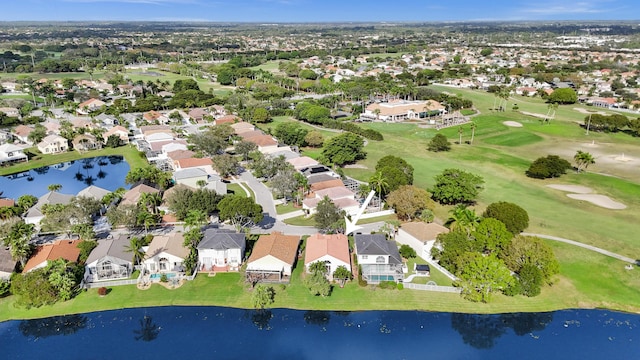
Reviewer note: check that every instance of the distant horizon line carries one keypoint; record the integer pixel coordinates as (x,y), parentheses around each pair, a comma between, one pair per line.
(326,22)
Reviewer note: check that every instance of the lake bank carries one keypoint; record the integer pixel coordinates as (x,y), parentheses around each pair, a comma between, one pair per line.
(130,154)
(230,290)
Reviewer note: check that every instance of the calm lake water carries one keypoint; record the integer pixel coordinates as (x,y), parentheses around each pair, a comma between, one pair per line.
(224,333)
(107,172)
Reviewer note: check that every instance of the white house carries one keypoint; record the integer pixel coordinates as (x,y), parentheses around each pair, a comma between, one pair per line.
(109,260)
(420,236)
(221,250)
(10,153)
(272,258)
(165,254)
(34,215)
(191,177)
(378,258)
(332,250)
(53,144)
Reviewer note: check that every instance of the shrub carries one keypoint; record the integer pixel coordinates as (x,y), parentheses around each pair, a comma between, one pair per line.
(515,218)
(164,278)
(439,143)
(102,291)
(400,286)
(548,167)
(387,285)
(407,251)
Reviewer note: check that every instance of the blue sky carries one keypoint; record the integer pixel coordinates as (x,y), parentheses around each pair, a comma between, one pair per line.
(318,10)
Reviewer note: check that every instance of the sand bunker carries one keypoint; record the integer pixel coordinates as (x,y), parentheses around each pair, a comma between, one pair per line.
(577,189)
(512,123)
(585,111)
(600,200)
(541,116)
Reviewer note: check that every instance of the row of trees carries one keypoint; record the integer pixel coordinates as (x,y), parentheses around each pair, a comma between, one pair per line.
(487,258)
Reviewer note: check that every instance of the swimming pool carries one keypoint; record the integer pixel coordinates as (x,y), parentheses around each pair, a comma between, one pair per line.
(159,275)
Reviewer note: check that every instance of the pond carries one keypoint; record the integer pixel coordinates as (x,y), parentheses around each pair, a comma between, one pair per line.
(224,333)
(107,172)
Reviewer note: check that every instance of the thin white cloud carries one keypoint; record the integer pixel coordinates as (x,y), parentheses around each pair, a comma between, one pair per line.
(563,7)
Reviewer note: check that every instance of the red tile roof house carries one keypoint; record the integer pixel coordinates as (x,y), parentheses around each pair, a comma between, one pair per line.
(119,131)
(332,250)
(90,105)
(266,143)
(62,249)
(22,133)
(272,258)
(204,163)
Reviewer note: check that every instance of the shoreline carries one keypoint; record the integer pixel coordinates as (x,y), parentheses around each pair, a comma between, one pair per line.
(383,300)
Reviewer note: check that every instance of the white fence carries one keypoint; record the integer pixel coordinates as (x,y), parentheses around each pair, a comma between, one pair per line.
(377,213)
(442,270)
(447,289)
(110,283)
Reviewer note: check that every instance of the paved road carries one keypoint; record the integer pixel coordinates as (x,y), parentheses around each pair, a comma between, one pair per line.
(588,247)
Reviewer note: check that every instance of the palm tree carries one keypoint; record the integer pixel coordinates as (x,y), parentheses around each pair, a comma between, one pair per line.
(463,218)
(460,131)
(201,183)
(473,131)
(147,219)
(379,183)
(583,159)
(54,187)
(150,201)
(18,241)
(195,218)
(135,248)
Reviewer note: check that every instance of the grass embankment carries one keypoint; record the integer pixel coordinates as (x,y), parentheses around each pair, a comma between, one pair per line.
(575,287)
(130,154)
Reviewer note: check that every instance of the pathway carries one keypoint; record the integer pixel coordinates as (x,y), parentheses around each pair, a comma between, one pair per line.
(586,246)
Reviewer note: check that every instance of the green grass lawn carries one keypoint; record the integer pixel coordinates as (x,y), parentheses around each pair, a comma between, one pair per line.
(613,287)
(131,155)
(518,138)
(301,221)
(238,190)
(286,208)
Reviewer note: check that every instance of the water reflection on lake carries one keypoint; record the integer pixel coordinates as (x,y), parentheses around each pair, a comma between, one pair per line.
(107,172)
(215,332)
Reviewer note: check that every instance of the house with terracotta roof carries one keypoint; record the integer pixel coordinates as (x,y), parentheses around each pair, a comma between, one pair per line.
(330,249)
(378,258)
(153,116)
(400,110)
(227,119)
(10,154)
(110,260)
(132,196)
(221,250)
(302,162)
(53,144)
(119,131)
(325,184)
(204,163)
(90,105)
(272,258)
(21,132)
(61,249)
(165,255)
(242,127)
